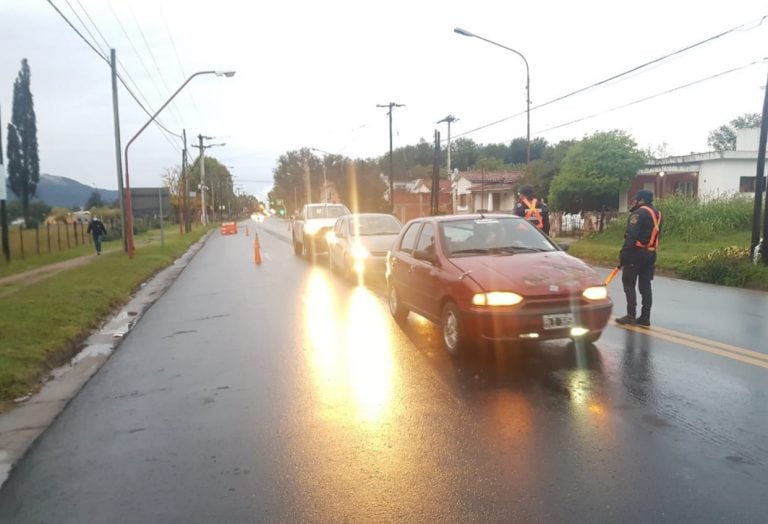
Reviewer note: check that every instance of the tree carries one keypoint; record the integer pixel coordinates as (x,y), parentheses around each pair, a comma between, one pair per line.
(94,200)
(464,154)
(23,160)
(38,211)
(540,172)
(219,184)
(595,171)
(724,137)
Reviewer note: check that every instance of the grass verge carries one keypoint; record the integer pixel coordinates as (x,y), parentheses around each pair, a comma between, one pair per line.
(32,261)
(43,325)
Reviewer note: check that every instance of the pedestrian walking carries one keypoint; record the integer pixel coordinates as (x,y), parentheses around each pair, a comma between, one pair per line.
(637,257)
(532,209)
(97,230)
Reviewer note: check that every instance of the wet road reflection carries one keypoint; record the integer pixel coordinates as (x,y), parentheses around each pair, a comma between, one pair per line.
(348,345)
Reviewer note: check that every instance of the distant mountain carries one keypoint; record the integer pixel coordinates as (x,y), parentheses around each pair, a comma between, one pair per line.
(59,191)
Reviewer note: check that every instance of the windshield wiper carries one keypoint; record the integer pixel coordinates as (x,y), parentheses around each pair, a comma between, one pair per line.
(518,249)
(475,250)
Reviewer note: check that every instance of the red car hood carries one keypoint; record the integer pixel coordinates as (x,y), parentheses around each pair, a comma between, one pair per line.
(529,274)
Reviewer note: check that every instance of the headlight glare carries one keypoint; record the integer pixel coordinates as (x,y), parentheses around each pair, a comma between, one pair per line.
(496,298)
(595,293)
(359,252)
(311,228)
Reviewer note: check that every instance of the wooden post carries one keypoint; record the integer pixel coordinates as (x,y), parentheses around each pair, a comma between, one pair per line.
(21,239)
(37,238)
(67,230)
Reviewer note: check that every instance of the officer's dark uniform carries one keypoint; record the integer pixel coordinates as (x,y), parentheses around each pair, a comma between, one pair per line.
(522,209)
(638,258)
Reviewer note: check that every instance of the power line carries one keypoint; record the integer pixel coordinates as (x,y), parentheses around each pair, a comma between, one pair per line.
(103,52)
(136,52)
(650,97)
(89,44)
(78,32)
(94,25)
(172,107)
(125,70)
(627,72)
(178,58)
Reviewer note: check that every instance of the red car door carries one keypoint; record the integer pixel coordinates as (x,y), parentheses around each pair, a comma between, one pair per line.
(426,283)
(402,263)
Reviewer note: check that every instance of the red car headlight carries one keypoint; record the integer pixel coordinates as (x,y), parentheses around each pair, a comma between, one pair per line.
(496,298)
(595,293)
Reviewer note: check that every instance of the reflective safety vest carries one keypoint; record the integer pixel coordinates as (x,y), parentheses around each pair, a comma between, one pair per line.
(532,211)
(653,242)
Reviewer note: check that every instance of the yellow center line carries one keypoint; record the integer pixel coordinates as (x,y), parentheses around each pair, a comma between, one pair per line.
(702,344)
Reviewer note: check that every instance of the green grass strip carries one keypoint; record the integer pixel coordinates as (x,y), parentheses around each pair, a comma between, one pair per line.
(43,324)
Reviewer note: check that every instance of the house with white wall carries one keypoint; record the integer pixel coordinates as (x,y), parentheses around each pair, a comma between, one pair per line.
(701,175)
(475,191)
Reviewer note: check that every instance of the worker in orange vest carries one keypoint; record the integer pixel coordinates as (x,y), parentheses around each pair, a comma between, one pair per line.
(638,257)
(532,209)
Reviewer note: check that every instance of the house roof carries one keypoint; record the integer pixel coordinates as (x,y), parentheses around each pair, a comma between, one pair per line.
(491,187)
(445,185)
(490,177)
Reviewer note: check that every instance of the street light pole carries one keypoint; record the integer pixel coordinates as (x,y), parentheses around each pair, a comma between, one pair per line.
(128,203)
(464,32)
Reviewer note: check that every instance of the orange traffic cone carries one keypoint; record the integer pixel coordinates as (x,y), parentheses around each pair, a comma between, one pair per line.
(256,250)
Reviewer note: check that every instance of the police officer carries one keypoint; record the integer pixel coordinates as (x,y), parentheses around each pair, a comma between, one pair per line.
(532,209)
(638,257)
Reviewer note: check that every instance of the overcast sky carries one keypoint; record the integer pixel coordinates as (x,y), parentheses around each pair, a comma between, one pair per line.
(310,73)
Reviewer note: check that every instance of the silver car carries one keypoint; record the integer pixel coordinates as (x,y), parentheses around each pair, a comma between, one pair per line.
(359,243)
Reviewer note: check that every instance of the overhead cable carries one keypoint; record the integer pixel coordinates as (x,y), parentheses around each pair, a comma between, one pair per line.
(645,99)
(627,72)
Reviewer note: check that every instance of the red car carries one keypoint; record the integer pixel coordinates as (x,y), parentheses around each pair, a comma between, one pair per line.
(495,278)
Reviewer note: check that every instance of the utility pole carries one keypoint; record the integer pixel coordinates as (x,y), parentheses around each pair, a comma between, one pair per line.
(436,176)
(118,148)
(203,213)
(391,106)
(201,159)
(3,196)
(450,119)
(760,183)
(185,185)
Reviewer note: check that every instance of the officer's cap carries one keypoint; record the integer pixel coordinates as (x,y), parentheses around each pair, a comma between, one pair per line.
(644,195)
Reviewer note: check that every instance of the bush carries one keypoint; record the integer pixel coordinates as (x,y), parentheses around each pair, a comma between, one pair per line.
(729,266)
(687,219)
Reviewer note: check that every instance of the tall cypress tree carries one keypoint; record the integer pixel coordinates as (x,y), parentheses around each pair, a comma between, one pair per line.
(23,159)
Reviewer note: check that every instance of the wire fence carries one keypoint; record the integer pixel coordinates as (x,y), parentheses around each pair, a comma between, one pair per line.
(47,238)
(579,224)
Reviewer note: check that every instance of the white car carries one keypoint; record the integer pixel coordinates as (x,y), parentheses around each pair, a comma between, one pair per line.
(359,243)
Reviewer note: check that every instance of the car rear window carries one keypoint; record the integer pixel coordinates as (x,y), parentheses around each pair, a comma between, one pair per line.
(329,211)
(369,225)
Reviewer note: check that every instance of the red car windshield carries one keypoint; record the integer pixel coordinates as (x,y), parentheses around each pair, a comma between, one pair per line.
(493,235)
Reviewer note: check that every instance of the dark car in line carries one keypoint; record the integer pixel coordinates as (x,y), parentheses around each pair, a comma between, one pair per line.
(493,278)
(359,243)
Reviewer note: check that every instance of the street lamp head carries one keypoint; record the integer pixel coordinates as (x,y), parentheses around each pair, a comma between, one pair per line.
(224,73)
(462,31)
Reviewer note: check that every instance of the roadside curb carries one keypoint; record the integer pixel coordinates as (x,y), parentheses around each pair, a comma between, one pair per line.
(22,425)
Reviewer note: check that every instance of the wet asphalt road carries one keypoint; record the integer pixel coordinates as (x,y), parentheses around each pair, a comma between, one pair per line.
(282,393)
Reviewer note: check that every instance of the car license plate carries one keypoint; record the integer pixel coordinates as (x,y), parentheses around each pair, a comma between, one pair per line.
(558,321)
